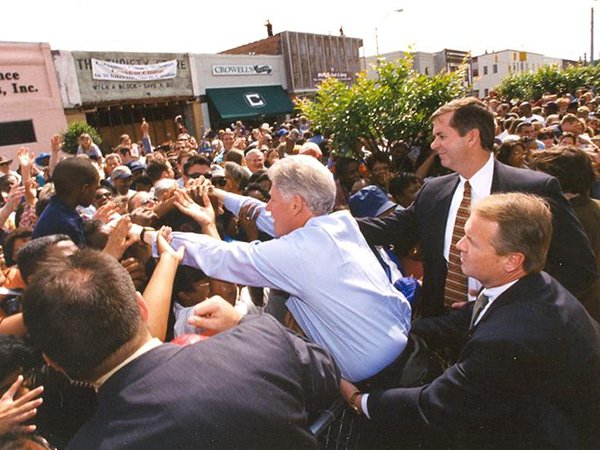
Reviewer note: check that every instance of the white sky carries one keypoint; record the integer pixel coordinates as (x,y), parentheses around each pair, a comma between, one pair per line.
(551,27)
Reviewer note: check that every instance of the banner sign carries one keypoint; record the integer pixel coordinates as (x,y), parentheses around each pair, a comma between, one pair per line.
(110,71)
(262,69)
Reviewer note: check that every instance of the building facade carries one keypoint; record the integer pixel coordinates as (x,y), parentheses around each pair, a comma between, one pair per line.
(309,58)
(31,108)
(487,70)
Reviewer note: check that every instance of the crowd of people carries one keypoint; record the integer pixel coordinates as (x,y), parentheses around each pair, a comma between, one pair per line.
(220,291)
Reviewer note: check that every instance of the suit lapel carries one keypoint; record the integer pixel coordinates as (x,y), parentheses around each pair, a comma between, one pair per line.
(442,198)
(517,291)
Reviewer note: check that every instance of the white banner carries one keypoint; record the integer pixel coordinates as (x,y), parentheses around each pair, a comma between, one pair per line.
(110,71)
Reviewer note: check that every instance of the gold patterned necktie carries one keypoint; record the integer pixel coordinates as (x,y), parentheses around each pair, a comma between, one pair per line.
(457,285)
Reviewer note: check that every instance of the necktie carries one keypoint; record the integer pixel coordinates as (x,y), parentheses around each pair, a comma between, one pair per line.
(457,285)
(480,303)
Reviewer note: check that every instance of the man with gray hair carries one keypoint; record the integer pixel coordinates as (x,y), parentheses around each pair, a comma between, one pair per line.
(340,295)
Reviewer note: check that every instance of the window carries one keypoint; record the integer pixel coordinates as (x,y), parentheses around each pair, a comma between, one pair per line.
(485,70)
(495,68)
(14,133)
(475,72)
(486,91)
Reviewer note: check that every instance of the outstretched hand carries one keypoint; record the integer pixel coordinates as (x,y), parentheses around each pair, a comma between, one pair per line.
(203,214)
(14,412)
(215,314)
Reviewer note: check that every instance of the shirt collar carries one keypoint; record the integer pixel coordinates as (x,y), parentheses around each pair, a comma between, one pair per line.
(494,292)
(152,343)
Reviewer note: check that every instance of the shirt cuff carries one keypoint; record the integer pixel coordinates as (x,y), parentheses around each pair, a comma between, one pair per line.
(363,405)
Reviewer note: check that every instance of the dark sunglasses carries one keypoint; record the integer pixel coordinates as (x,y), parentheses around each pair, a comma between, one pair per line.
(198,175)
(219,181)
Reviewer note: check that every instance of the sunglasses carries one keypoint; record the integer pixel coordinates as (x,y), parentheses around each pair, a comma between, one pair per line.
(219,181)
(194,176)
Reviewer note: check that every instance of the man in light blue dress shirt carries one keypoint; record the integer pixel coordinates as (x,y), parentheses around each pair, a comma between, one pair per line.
(339,294)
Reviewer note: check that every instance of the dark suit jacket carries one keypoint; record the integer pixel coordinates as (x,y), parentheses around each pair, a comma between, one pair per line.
(246,388)
(528,375)
(570,259)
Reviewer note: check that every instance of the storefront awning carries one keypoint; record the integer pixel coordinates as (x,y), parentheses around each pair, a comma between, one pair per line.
(246,102)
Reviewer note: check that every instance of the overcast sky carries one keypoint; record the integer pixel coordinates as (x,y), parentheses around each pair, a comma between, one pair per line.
(555,29)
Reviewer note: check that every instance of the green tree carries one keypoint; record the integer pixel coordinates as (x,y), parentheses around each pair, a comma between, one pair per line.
(72,133)
(378,113)
(549,80)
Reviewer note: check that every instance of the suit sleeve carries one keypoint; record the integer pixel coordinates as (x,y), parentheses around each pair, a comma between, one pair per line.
(399,227)
(570,258)
(447,331)
(471,391)
(320,373)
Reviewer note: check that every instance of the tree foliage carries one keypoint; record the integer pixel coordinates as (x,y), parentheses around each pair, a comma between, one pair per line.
(72,133)
(380,112)
(549,80)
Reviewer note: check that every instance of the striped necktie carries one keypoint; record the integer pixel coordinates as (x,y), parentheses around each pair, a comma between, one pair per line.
(457,285)
(480,303)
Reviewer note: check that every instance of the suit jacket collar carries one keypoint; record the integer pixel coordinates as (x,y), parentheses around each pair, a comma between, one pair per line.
(520,290)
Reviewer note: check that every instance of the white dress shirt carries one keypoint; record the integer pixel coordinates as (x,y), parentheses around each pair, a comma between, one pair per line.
(339,293)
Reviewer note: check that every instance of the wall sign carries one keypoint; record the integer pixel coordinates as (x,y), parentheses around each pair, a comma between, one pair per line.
(257,69)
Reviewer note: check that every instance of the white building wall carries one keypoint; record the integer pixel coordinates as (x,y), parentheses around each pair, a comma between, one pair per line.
(489,69)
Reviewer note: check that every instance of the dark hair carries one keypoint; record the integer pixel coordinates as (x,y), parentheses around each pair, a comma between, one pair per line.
(16,353)
(9,243)
(196,160)
(572,167)
(506,150)
(142,180)
(34,253)
(71,174)
(470,114)
(155,169)
(378,157)
(257,187)
(185,277)
(400,183)
(80,310)
(342,164)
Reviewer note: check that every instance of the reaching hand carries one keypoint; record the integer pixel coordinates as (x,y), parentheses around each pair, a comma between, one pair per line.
(145,127)
(203,214)
(163,246)
(14,196)
(56,143)
(14,412)
(136,271)
(119,239)
(215,314)
(105,212)
(247,220)
(25,158)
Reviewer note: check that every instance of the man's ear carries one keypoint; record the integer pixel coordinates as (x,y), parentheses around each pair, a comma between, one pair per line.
(297,204)
(473,137)
(142,306)
(514,261)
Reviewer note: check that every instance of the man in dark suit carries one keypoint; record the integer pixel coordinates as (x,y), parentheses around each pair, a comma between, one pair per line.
(251,387)
(464,139)
(529,366)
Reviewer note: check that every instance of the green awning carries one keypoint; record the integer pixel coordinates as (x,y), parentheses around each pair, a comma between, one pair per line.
(253,101)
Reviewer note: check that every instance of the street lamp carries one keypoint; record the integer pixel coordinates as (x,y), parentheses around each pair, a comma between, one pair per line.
(376,29)
(592,35)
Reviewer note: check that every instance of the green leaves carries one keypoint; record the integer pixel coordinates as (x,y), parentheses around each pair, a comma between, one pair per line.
(72,133)
(379,112)
(549,80)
